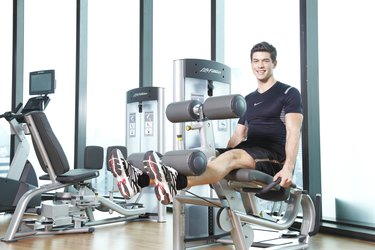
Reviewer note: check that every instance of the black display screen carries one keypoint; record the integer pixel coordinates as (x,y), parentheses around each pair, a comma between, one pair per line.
(42,82)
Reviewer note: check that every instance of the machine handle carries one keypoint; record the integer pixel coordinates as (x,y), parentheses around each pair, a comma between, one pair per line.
(18,108)
(268,188)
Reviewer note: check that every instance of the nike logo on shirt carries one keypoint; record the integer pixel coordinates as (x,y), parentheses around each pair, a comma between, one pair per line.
(257,103)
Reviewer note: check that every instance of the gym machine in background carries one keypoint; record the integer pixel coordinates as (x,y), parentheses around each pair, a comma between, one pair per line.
(74,200)
(21,175)
(198,79)
(144,132)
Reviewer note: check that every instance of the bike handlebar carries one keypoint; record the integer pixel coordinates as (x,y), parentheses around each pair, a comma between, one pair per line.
(9,115)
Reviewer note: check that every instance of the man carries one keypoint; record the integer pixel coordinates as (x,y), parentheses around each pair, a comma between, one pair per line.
(266,138)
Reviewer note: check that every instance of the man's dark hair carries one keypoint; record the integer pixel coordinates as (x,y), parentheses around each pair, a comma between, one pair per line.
(264,47)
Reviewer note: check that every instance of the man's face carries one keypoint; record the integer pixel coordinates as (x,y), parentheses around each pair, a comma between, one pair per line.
(262,66)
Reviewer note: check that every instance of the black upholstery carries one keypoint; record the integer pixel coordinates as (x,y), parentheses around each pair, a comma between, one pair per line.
(123,150)
(250,175)
(253,181)
(51,144)
(77,175)
(94,156)
(55,153)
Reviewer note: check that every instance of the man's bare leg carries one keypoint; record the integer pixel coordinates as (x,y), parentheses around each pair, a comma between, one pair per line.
(218,168)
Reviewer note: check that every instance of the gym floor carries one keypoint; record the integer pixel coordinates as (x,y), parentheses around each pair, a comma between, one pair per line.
(144,235)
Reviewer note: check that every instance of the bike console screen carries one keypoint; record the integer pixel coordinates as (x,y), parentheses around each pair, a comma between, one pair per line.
(42,82)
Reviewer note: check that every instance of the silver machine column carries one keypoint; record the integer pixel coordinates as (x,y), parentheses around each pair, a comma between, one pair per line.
(144,132)
(198,79)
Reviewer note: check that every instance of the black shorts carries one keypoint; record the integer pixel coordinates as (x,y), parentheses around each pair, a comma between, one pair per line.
(266,161)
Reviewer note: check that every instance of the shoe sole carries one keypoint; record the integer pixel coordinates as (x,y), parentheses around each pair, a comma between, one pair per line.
(115,165)
(153,172)
(115,162)
(159,191)
(123,190)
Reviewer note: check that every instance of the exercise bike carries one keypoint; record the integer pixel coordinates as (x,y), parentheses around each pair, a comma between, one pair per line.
(21,176)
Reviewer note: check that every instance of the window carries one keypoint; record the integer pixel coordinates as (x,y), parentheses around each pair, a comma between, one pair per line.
(112,70)
(346,110)
(182,33)
(50,44)
(263,21)
(6,11)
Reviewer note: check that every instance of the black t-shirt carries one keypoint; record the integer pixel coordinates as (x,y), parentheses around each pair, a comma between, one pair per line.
(265,116)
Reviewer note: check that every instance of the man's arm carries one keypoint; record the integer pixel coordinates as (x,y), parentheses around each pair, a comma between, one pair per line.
(238,136)
(293,123)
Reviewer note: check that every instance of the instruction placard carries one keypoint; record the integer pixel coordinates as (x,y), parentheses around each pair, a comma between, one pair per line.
(149,123)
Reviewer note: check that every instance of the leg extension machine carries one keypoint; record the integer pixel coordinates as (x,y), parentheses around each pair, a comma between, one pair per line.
(237,211)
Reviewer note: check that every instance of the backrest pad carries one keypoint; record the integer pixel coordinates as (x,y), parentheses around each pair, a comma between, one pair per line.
(50,143)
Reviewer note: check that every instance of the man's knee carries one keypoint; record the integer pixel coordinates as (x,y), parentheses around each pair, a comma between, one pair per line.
(239,158)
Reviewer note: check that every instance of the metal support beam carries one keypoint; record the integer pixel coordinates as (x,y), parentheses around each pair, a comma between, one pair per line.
(81,84)
(310,96)
(217,30)
(17,60)
(145,43)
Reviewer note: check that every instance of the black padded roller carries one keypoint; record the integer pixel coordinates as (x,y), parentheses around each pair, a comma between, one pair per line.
(224,107)
(182,111)
(186,162)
